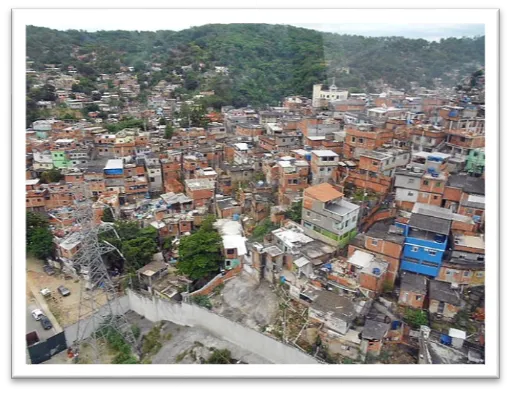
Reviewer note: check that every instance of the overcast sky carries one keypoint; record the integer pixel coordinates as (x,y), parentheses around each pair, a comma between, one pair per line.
(427,31)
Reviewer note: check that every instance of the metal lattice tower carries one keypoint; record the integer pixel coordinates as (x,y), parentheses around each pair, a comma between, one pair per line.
(99,309)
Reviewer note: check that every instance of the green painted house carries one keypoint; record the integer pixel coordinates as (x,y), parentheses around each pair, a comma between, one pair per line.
(60,159)
(475,162)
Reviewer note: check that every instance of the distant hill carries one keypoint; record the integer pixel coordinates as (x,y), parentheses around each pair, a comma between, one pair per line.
(266,62)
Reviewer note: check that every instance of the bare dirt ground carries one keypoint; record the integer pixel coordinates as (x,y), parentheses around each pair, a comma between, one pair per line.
(186,345)
(64,309)
(245,301)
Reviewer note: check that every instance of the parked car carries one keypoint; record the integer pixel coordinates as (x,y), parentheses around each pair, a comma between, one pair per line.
(64,291)
(45,322)
(45,292)
(49,270)
(37,314)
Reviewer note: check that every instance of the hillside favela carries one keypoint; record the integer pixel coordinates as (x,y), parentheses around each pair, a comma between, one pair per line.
(254,194)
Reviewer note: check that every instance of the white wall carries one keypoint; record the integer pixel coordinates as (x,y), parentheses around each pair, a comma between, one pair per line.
(184,314)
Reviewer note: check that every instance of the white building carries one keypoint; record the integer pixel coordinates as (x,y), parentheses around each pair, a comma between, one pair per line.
(322,97)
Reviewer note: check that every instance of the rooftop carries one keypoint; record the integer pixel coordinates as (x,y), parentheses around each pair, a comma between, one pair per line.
(341,207)
(431,210)
(443,292)
(325,153)
(374,330)
(469,241)
(200,184)
(153,267)
(470,184)
(414,283)
(430,224)
(114,164)
(337,306)
(361,258)
(386,231)
(475,201)
(323,192)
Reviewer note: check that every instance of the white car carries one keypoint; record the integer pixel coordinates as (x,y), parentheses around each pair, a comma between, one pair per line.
(37,314)
(45,292)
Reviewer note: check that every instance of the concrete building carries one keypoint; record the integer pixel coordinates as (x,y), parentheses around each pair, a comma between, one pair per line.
(321,97)
(327,216)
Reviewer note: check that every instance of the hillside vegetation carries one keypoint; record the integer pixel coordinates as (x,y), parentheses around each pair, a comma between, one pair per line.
(266,62)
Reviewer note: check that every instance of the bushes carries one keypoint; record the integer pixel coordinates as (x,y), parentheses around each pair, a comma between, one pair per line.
(415,318)
(203,301)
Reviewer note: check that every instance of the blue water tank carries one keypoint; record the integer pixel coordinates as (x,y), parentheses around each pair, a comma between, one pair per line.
(453,113)
(282,279)
(235,216)
(376,271)
(328,266)
(308,156)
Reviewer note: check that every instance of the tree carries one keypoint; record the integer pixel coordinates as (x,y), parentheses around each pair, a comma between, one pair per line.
(107,215)
(295,212)
(415,318)
(138,252)
(51,176)
(39,239)
(162,121)
(262,230)
(200,253)
(169,131)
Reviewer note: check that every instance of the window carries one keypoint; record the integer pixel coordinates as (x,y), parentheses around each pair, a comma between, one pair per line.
(432,252)
(479,274)
(466,273)
(321,169)
(470,211)
(435,197)
(438,184)
(375,163)
(448,272)
(151,179)
(360,140)
(425,182)
(230,251)
(353,139)
(354,219)
(374,242)
(415,249)
(418,297)
(410,181)
(410,193)
(308,214)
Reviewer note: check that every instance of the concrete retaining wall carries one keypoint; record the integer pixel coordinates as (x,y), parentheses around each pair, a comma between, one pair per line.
(185,314)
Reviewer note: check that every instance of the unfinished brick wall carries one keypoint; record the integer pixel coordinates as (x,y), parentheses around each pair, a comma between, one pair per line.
(218,280)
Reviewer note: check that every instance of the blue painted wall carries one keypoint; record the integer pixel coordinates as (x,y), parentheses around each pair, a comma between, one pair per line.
(421,261)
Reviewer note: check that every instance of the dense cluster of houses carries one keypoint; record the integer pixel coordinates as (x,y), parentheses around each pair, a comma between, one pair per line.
(391,188)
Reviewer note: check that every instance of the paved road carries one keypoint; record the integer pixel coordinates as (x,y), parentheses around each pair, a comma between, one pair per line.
(32,324)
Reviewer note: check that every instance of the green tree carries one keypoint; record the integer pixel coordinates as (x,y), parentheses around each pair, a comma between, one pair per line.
(162,121)
(40,243)
(107,215)
(200,253)
(415,318)
(262,230)
(169,131)
(138,252)
(51,176)
(295,212)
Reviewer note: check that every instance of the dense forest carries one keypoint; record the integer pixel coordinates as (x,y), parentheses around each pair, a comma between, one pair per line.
(266,62)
